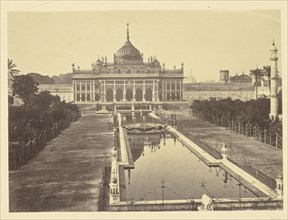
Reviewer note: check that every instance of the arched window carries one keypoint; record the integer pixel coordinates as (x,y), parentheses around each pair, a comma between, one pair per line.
(109,95)
(97,97)
(148,93)
(119,95)
(129,95)
(139,95)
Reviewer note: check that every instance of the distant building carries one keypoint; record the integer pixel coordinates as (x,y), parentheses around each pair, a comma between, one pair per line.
(240,78)
(64,91)
(128,78)
(190,79)
(224,76)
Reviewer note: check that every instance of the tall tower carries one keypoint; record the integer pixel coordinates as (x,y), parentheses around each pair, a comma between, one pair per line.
(273,80)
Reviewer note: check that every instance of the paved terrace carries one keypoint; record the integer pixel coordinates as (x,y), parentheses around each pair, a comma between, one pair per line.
(243,150)
(66,174)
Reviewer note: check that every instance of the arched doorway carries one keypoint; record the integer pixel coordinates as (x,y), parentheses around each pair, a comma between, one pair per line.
(139,95)
(129,95)
(173,97)
(97,97)
(178,96)
(168,97)
(160,96)
(119,95)
(109,95)
(148,93)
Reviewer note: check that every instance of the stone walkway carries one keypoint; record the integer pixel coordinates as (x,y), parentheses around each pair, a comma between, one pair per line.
(65,175)
(244,150)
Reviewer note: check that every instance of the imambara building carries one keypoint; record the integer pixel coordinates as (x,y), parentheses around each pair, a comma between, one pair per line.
(127,79)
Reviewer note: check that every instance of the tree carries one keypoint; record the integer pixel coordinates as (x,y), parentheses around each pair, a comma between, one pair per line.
(267,70)
(10,100)
(24,86)
(12,72)
(257,74)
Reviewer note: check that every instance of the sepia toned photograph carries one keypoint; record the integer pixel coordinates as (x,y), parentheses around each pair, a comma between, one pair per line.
(118,110)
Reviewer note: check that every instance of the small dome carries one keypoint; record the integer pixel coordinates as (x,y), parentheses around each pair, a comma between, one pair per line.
(98,62)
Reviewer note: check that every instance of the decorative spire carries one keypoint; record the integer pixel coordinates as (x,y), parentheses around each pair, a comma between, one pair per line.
(127,31)
(273,44)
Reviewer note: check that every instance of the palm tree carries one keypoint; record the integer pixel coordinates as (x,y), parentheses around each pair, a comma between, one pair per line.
(11,69)
(257,74)
(267,70)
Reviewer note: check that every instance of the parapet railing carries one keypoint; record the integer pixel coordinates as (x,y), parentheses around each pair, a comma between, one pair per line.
(247,129)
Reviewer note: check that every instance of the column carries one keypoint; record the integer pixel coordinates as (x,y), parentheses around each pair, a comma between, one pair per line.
(181,92)
(74,91)
(175,89)
(91,94)
(165,90)
(134,98)
(114,92)
(144,92)
(80,91)
(170,89)
(85,84)
(157,89)
(104,92)
(93,90)
(153,91)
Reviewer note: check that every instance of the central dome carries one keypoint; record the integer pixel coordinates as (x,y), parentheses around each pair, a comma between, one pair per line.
(128,54)
(128,50)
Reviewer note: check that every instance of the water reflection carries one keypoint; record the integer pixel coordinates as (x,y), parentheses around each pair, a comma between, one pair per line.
(137,143)
(161,157)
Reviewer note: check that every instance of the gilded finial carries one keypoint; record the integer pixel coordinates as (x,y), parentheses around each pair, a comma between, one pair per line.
(127,31)
(273,44)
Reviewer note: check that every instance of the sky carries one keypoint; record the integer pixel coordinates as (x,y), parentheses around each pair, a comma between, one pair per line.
(204,40)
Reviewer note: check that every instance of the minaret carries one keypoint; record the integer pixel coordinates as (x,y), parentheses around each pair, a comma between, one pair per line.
(273,80)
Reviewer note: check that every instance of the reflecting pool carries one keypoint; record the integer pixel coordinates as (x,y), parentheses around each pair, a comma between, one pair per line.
(166,169)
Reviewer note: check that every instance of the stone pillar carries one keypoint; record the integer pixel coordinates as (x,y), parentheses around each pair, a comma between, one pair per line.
(114,182)
(175,89)
(114,92)
(93,90)
(165,90)
(85,91)
(207,204)
(80,91)
(153,91)
(132,108)
(134,92)
(91,93)
(115,109)
(279,185)
(224,152)
(181,91)
(74,90)
(273,84)
(157,90)
(170,82)
(144,92)
(104,92)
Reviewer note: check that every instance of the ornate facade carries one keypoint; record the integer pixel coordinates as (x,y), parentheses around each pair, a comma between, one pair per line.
(127,78)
